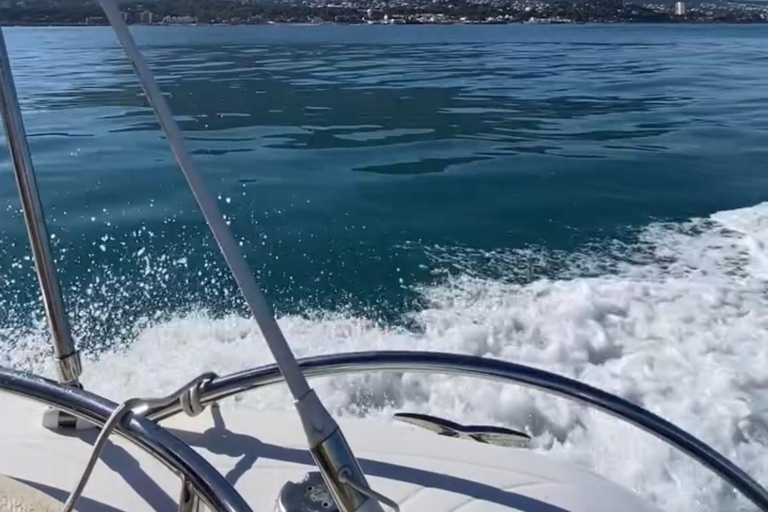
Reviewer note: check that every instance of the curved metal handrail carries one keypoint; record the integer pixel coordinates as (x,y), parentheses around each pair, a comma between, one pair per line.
(208,483)
(491,369)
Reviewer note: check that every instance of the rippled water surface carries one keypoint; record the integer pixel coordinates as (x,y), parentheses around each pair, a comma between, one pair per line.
(585,199)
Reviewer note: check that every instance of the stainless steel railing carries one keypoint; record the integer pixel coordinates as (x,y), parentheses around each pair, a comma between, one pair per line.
(197,475)
(489,369)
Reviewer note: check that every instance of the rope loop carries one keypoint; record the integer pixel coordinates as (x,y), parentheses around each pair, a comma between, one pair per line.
(188,396)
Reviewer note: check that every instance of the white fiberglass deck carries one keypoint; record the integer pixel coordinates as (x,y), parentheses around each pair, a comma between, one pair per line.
(259,452)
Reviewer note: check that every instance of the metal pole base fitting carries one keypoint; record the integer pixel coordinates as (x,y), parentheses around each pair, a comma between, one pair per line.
(70,368)
(309,495)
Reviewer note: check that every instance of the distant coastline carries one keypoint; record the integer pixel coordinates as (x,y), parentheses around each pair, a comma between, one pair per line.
(445,23)
(378,12)
(335,23)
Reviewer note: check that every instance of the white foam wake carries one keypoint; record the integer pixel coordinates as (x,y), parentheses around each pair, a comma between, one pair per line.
(684,335)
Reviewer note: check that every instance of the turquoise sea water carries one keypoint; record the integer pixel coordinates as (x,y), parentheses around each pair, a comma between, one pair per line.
(359,163)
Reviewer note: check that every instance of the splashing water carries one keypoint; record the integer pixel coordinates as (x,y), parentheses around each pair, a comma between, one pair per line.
(682,334)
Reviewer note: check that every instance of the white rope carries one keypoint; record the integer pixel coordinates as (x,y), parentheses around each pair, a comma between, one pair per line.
(261,310)
(190,401)
(98,447)
(189,398)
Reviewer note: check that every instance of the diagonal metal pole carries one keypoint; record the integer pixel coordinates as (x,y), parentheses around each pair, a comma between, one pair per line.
(334,458)
(67,356)
(210,209)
